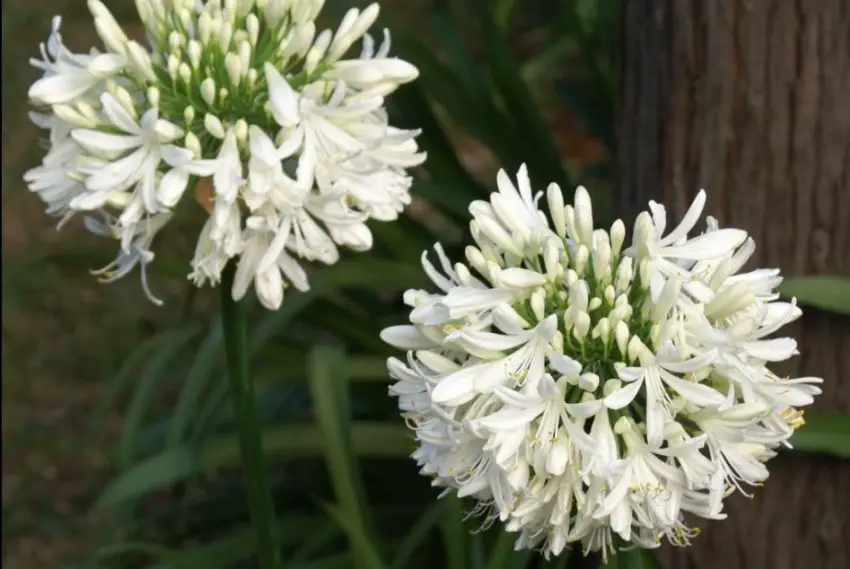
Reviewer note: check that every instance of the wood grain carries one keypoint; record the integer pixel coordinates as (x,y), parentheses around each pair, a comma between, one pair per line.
(751,101)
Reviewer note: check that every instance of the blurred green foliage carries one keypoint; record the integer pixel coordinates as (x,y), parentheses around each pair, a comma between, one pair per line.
(345,491)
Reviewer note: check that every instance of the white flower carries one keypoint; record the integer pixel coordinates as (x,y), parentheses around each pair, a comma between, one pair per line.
(245,108)
(129,163)
(68,76)
(591,391)
(137,253)
(54,180)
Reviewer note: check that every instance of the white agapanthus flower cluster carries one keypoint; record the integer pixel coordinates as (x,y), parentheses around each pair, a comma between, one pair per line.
(242,97)
(583,391)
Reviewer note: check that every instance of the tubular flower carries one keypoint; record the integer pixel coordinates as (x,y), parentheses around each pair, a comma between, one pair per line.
(244,101)
(582,389)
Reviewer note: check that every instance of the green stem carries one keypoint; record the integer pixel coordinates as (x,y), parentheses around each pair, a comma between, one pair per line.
(250,437)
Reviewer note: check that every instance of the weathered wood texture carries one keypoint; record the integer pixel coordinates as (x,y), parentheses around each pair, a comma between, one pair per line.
(751,101)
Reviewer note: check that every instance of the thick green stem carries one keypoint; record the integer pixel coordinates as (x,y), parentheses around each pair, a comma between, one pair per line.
(247,424)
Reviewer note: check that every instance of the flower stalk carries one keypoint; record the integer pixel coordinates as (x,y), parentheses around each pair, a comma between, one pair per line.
(257,488)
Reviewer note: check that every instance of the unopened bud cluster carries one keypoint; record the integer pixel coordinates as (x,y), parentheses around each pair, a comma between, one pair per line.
(582,388)
(288,139)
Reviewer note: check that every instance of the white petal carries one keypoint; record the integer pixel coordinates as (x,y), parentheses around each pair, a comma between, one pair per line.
(487,340)
(97,141)
(462,300)
(698,362)
(556,461)
(708,246)
(405,337)
(624,396)
(245,272)
(584,410)
(269,287)
(118,115)
(171,187)
(697,393)
(521,278)
(277,244)
(262,147)
(284,100)
(294,272)
(564,364)
(688,221)
(63,88)
(458,386)
(509,419)
(776,350)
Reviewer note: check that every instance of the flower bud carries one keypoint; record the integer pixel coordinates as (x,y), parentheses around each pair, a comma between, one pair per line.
(610,386)
(580,261)
(581,325)
(194,50)
(241,130)
(71,116)
(225,34)
(173,66)
(208,91)
(252,26)
(193,144)
(621,335)
(538,304)
(588,381)
(214,126)
(185,73)
(583,211)
(556,209)
(153,97)
(204,28)
(234,68)
(618,235)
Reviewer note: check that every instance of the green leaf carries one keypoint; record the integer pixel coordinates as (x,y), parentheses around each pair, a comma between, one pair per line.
(549,57)
(414,111)
(338,561)
(824,433)
(829,293)
(403,238)
(289,365)
(454,203)
(348,327)
(502,13)
(185,410)
(368,439)
(144,393)
(541,154)
(454,534)
(365,550)
(477,115)
(124,378)
(448,36)
(587,104)
(329,390)
(476,550)
(633,559)
(417,535)
(171,557)
(318,541)
(503,555)
(225,552)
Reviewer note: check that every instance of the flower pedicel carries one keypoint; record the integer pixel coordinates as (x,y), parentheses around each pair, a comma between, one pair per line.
(581,389)
(291,138)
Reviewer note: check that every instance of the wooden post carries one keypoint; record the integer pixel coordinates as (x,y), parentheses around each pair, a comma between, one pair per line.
(751,101)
